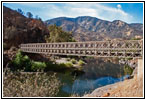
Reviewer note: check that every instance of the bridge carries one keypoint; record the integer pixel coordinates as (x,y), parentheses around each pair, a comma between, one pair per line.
(125,48)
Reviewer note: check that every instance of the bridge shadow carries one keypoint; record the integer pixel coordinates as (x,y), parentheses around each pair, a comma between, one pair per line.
(99,67)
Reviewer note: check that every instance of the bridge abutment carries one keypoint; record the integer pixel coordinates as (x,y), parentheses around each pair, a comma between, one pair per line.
(140,70)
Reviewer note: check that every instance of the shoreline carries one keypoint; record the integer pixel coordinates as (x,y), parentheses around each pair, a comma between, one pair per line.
(127,88)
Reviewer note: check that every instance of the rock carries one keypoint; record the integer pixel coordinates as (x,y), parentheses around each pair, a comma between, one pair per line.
(13,49)
(129,77)
(106,95)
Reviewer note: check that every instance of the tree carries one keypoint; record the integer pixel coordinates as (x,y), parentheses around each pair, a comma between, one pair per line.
(40,19)
(58,35)
(29,14)
(20,11)
(36,17)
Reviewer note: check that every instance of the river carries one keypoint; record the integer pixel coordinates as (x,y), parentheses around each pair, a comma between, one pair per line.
(97,73)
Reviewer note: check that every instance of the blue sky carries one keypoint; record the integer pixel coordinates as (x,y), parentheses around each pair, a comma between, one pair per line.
(128,12)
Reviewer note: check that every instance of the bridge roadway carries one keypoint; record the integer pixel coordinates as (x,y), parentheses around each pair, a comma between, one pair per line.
(127,48)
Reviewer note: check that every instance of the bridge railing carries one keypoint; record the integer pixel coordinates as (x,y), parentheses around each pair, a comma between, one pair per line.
(131,48)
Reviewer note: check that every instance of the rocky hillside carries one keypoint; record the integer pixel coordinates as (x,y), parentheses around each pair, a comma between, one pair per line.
(19,29)
(86,28)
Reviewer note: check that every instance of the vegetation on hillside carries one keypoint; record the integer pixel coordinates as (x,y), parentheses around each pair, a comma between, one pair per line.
(33,30)
(58,35)
(18,28)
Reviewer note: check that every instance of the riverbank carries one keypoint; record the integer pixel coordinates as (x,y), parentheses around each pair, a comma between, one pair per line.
(127,88)
(77,75)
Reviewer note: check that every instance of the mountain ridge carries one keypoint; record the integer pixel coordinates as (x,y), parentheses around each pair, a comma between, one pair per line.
(87,28)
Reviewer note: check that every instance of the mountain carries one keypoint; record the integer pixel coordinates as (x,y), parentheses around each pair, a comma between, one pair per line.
(86,28)
(19,29)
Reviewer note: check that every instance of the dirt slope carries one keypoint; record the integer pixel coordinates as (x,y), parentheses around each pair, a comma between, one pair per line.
(127,88)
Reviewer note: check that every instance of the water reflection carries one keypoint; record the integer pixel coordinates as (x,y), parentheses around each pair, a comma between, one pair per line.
(81,86)
(97,73)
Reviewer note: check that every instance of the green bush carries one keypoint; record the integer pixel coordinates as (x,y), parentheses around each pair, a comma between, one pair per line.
(52,66)
(135,38)
(25,63)
(21,62)
(18,59)
(127,70)
(38,66)
(129,58)
(73,61)
(62,65)
(68,64)
(80,63)
(68,59)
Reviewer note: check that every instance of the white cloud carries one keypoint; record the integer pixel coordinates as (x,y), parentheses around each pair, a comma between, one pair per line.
(119,6)
(52,10)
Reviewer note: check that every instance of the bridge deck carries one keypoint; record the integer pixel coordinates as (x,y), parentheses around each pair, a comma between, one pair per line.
(131,48)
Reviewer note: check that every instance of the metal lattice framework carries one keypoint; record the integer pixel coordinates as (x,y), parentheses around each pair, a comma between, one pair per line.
(128,48)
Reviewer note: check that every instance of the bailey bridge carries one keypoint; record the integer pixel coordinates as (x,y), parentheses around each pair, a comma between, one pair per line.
(127,48)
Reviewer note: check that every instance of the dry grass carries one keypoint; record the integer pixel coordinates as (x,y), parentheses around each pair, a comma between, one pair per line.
(34,85)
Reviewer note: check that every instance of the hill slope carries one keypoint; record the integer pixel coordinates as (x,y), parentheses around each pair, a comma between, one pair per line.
(18,29)
(86,28)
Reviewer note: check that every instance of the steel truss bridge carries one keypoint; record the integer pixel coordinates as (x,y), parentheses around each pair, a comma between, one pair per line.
(127,48)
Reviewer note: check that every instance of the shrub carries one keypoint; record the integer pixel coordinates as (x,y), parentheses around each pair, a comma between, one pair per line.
(68,59)
(62,66)
(18,59)
(68,64)
(80,63)
(21,62)
(73,61)
(129,58)
(25,63)
(135,38)
(54,67)
(38,66)
(128,70)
